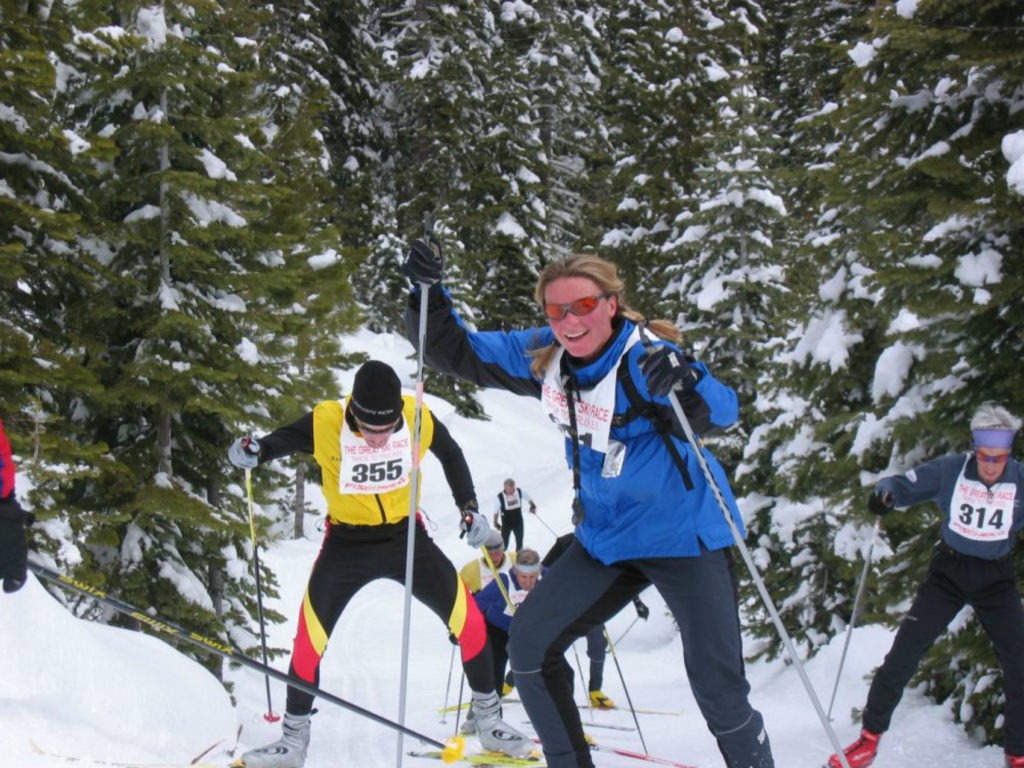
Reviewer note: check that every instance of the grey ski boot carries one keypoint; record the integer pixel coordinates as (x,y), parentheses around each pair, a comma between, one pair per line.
(287,752)
(494,733)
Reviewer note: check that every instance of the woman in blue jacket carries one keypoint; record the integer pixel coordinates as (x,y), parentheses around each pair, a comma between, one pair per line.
(643,511)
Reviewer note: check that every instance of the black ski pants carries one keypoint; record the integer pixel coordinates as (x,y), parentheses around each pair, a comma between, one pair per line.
(953,581)
(512,522)
(353,556)
(580,593)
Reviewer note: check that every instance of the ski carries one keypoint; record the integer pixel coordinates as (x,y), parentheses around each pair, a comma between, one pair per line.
(607,726)
(640,756)
(638,710)
(482,759)
(120,764)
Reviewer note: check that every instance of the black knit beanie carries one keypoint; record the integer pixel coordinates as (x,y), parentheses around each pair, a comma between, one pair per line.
(376,394)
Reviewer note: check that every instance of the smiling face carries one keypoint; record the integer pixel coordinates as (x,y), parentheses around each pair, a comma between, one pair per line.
(583,336)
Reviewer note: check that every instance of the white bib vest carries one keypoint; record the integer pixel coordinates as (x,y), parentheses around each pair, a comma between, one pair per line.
(980,513)
(374,470)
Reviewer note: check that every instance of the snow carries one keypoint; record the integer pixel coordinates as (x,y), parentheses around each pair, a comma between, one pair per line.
(1013,151)
(105,695)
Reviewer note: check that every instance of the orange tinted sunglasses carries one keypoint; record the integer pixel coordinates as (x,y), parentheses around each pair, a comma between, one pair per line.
(580,307)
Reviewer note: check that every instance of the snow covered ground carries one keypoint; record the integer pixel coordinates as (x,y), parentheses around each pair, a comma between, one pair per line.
(106,696)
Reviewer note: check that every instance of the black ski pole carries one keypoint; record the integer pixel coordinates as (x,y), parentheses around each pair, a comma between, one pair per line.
(451,750)
(748,559)
(270,717)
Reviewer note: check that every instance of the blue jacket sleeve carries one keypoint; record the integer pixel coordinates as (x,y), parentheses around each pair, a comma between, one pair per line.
(924,483)
(498,359)
(491,603)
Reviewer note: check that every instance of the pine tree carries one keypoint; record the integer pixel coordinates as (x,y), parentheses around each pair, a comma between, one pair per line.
(47,269)
(948,254)
(807,373)
(220,274)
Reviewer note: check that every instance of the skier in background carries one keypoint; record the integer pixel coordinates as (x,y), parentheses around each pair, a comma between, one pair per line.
(13,521)
(979,494)
(508,512)
(479,572)
(516,584)
(363,445)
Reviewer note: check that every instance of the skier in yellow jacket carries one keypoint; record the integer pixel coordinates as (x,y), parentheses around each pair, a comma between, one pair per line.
(363,445)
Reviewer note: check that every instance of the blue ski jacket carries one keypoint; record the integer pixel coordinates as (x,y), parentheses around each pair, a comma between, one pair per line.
(492,603)
(652,507)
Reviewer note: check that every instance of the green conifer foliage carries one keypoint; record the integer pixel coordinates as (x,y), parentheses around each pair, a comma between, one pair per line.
(222,278)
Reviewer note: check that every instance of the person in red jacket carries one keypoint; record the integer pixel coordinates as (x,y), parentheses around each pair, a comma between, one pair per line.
(13,547)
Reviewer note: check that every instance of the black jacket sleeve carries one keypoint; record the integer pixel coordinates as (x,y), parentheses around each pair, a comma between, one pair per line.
(296,437)
(448,348)
(456,470)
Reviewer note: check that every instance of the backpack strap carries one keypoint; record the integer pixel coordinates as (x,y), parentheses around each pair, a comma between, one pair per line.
(654,414)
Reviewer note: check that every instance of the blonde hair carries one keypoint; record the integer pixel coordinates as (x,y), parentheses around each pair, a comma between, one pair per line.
(606,276)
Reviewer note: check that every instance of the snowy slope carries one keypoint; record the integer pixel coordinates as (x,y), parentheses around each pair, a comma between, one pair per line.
(107,695)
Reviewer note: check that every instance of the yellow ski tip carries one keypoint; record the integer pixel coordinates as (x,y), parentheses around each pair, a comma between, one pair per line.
(239,763)
(453,749)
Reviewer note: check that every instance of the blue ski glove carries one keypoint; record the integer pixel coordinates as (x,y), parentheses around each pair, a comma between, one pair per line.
(666,369)
(244,453)
(474,526)
(425,262)
(881,502)
(13,547)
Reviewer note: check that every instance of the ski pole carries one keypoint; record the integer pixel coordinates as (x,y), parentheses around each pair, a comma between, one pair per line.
(270,717)
(541,520)
(626,630)
(448,686)
(497,578)
(629,699)
(583,680)
(751,566)
(856,608)
(414,488)
(450,751)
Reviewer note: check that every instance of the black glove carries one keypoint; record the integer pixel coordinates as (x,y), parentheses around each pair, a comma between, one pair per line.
(881,502)
(13,547)
(641,608)
(666,369)
(424,263)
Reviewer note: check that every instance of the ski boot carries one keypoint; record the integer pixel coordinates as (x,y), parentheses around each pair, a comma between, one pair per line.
(508,685)
(287,752)
(494,733)
(861,753)
(599,701)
